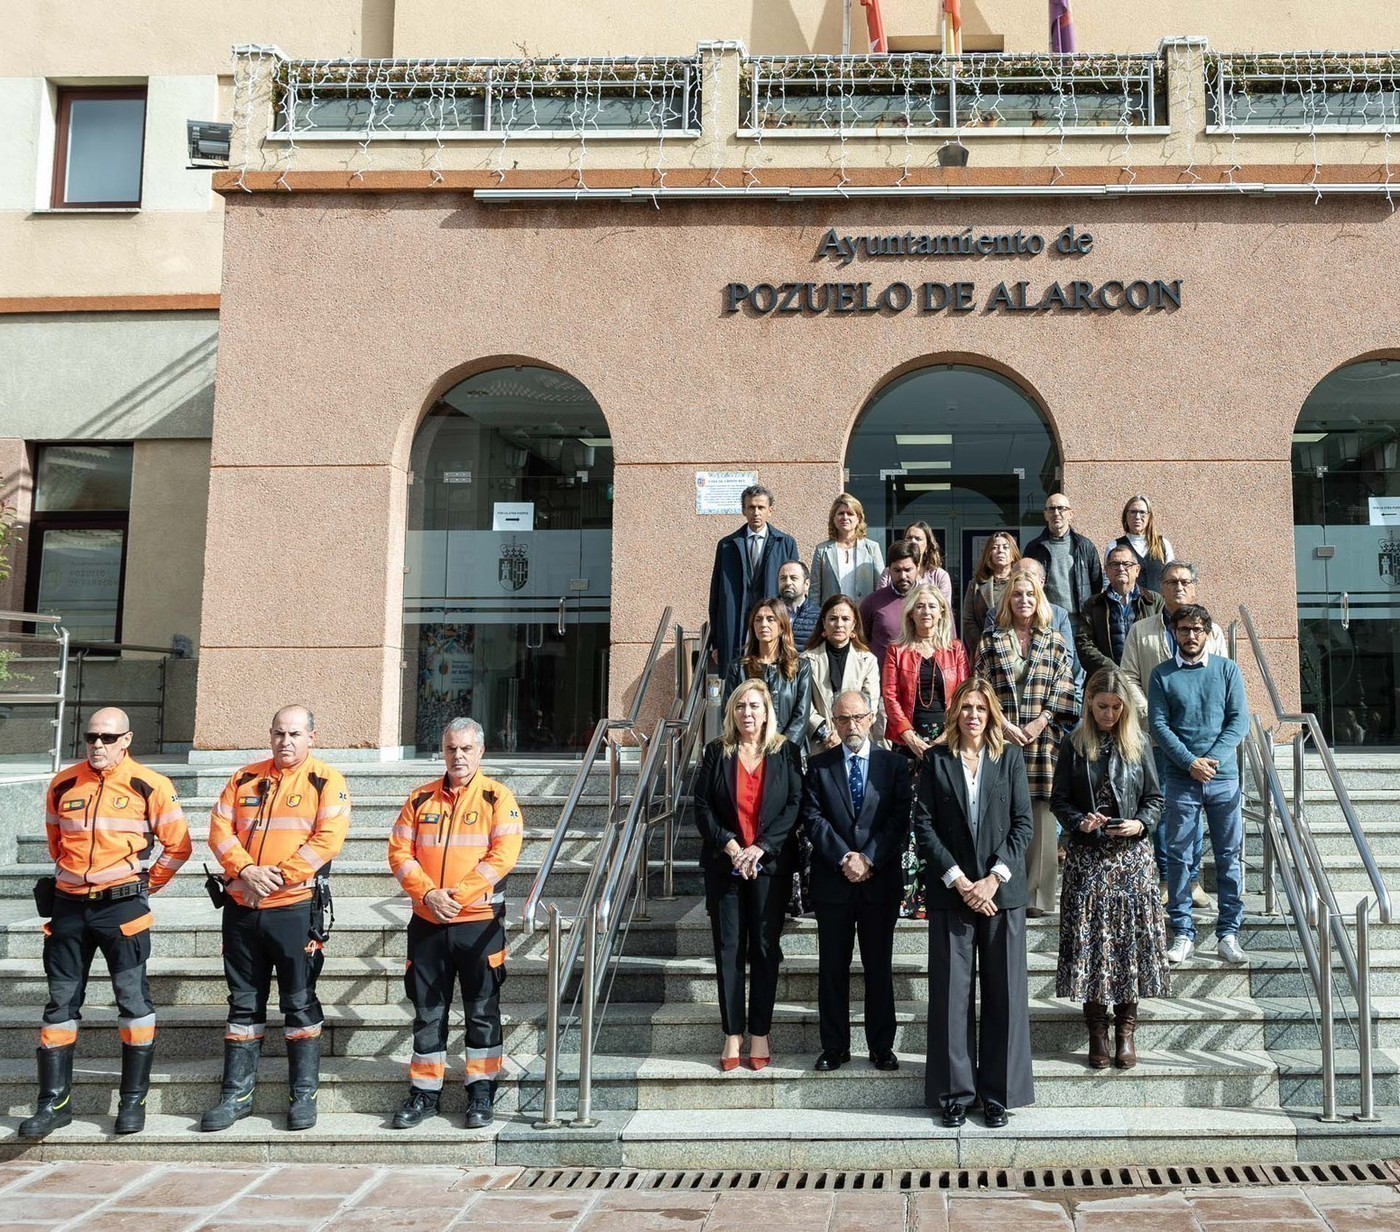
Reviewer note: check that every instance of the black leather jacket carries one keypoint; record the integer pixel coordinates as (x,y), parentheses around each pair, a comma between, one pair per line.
(792,699)
(1076,780)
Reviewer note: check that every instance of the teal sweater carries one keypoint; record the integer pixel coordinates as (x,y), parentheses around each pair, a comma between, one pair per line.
(1198,712)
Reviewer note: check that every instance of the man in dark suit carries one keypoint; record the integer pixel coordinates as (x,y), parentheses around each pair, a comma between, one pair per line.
(855,805)
(745,571)
(972,824)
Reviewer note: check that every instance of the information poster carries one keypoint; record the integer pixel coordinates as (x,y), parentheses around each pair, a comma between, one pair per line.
(720,491)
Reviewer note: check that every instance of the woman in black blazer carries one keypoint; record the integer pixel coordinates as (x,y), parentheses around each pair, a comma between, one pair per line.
(747,794)
(972,821)
(770,655)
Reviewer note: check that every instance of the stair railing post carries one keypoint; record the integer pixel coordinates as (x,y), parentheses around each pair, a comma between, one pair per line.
(1324,1006)
(589,992)
(1363,1011)
(549,1118)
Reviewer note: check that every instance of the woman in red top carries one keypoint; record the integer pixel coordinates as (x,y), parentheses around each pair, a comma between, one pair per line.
(920,674)
(747,794)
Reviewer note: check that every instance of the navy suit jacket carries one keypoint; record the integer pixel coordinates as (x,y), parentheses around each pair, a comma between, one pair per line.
(731,592)
(879,833)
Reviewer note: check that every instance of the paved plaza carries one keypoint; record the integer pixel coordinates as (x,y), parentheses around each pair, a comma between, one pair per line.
(301,1197)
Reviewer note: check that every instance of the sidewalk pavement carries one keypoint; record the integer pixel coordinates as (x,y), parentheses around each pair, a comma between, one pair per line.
(176,1197)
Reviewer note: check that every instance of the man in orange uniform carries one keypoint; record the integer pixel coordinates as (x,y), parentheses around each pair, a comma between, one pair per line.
(104,815)
(276,828)
(453,844)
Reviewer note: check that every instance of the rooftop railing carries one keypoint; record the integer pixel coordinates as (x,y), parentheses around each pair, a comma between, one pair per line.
(871,94)
(1304,92)
(385,98)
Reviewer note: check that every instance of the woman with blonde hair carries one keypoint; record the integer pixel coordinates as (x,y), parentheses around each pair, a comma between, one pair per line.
(1028,665)
(988,585)
(972,818)
(1113,940)
(930,561)
(1153,551)
(921,672)
(747,794)
(847,562)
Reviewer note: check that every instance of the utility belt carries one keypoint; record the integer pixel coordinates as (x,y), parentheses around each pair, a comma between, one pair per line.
(47,893)
(322,902)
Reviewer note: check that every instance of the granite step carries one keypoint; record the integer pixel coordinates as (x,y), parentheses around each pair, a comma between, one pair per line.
(751,1138)
(377,980)
(1194,1077)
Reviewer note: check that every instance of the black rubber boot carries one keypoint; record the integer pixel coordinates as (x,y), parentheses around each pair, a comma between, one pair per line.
(55,1093)
(417,1108)
(136,1081)
(303,1079)
(240,1077)
(481,1096)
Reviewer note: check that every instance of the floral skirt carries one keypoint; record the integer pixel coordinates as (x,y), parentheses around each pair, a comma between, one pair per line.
(912,906)
(1113,942)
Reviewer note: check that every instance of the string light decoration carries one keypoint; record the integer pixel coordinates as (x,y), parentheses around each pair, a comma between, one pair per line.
(449,99)
(899,98)
(1306,93)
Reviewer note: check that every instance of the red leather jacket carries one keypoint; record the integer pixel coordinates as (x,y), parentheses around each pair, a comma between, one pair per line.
(899,683)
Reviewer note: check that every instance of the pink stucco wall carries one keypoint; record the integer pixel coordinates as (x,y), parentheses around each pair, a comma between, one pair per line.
(343,314)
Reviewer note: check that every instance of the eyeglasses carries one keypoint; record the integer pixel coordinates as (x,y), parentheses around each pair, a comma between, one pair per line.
(1122,564)
(850,718)
(1198,629)
(105,737)
(1176,581)
(1058,508)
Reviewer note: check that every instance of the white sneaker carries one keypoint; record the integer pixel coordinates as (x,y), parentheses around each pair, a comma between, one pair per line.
(1180,950)
(1228,948)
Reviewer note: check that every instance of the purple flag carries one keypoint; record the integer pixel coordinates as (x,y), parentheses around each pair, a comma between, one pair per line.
(1061,27)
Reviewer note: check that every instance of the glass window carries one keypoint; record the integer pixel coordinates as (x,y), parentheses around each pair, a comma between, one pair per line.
(83,479)
(80,580)
(101,137)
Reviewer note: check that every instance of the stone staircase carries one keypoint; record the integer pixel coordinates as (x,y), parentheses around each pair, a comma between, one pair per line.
(1230,1067)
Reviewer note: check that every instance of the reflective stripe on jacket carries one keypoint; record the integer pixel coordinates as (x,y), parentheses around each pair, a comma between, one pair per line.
(100,826)
(295,820)
(464,840)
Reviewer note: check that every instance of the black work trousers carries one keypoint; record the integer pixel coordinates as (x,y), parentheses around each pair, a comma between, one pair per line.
(259,943)
(79,928)
(440,958)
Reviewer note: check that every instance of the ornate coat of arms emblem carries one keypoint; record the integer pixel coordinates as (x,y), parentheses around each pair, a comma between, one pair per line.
(1388,560)
(514,568)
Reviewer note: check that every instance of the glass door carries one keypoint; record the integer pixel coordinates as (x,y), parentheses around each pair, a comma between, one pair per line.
(1346,515)
(509,564)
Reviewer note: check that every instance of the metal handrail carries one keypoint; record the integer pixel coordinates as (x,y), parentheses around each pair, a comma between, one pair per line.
(601,735)
(56,699)
(1307,885)
(1329,764)
(82,650)
(668,755)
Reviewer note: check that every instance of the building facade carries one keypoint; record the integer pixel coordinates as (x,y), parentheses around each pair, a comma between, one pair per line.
(506,301)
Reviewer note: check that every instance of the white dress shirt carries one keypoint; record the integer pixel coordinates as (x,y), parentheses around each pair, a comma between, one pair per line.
(973,780)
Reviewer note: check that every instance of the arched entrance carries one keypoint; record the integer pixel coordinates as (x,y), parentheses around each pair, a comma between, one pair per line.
(509,563)
(1346,535)
(962,448)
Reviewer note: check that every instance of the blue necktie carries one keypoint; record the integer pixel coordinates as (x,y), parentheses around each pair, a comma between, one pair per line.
(857,785)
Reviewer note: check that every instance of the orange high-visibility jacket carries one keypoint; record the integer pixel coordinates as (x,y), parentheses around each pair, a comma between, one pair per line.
(293,819)
(464,840)
(101,825)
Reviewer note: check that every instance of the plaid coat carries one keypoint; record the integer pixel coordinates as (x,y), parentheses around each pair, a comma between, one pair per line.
(1049,686)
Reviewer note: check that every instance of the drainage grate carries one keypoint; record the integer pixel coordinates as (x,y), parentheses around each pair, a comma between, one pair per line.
(970,1180)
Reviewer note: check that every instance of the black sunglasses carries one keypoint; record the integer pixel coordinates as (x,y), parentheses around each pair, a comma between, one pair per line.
(105,737)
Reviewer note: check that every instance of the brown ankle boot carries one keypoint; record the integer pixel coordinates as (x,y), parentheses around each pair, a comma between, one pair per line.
(1096,1015)
(1125,1024)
